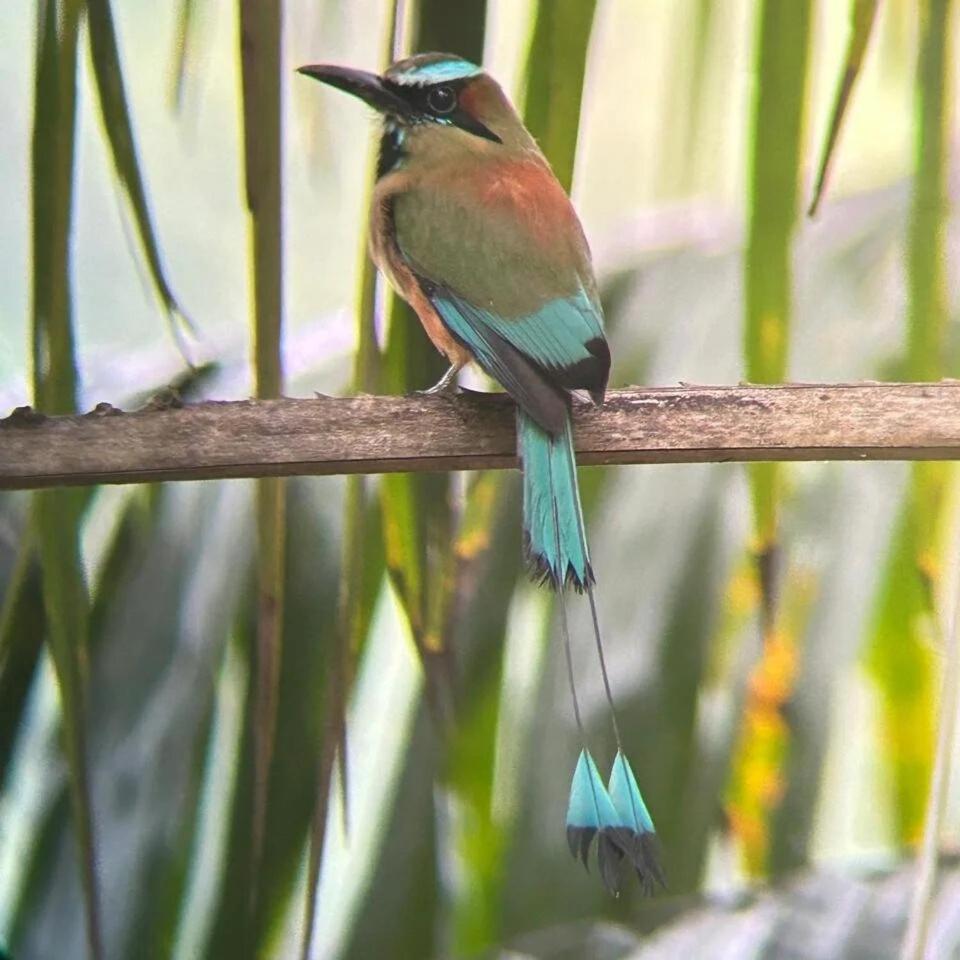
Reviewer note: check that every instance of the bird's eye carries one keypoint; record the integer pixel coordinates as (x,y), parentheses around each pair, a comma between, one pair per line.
(441,100)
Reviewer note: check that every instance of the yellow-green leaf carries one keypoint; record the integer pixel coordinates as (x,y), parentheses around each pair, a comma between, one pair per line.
(186,28)
(105,58)
(863,15)
(778,121)
(901,651)
(556,63)
(58,513)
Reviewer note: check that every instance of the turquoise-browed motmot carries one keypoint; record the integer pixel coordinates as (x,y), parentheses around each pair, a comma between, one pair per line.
(472,228)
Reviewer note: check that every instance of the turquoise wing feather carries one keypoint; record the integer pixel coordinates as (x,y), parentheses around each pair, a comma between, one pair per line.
(562,333)
(564,337)
(523,379)
(501,256)
(536,357)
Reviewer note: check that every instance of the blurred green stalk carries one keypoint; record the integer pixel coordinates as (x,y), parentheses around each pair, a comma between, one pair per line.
(900,657)
(774,192)
(58,513)
(774,187)
(261,61)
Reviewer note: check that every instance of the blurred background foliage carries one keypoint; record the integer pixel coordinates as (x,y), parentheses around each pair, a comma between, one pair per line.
(324,717)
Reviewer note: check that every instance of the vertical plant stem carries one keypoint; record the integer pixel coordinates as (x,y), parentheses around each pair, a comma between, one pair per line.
(318,821)
(556,64)
(58,513)
(928,319)
(774,187)
(899,654)
(863,16)
(926,260)
(780,107)
(260,51)
(915,940)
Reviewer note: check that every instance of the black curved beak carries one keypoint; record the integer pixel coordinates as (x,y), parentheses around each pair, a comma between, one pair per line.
(367,86)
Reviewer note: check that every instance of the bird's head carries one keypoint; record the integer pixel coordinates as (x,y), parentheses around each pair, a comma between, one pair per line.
(432,103)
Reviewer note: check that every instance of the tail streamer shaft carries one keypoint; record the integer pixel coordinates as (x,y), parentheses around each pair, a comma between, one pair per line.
(556,545)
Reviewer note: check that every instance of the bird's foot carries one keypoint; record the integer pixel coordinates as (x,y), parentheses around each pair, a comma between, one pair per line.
(446,386)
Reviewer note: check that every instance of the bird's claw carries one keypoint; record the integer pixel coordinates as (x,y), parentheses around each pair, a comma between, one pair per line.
(446,390)
(446,386)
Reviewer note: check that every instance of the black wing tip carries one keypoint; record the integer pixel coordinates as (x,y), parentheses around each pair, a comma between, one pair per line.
(533,390)
(591,373)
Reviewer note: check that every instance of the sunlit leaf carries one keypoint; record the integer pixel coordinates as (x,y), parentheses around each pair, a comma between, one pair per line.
(779,109)
(164,652)
(783,39)
(900,660)
(698,81)
(138,566)
(761,761)
(863,15)
(488,567)
(926,252)
(57,514)
(899,655)
(309,642)
(674,780)
(400,912)
(186,36)
(105,57)
(556,63)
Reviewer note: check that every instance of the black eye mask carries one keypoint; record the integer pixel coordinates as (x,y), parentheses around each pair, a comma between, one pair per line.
(439,103)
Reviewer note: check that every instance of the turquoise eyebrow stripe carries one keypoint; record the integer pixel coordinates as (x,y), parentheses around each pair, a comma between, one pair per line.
(437,72)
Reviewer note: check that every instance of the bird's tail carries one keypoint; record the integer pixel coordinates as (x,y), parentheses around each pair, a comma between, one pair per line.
(556,546)
(553,530)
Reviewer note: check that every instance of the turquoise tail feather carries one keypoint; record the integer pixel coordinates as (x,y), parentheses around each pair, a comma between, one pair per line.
(556,547)
(552,517)
(590,808)
(635,834)
(618,818)
(625,795)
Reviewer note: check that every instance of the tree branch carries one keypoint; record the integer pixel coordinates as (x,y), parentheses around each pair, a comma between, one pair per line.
(327,435)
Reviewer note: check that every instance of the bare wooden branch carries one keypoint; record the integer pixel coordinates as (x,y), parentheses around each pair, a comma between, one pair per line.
(326,435)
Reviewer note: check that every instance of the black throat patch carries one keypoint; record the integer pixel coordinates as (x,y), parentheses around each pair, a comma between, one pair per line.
(391,149)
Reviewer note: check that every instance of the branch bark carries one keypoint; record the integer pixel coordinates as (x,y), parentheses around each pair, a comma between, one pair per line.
(365,434)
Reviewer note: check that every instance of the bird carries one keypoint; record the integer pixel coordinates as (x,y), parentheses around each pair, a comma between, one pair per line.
(472,228)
